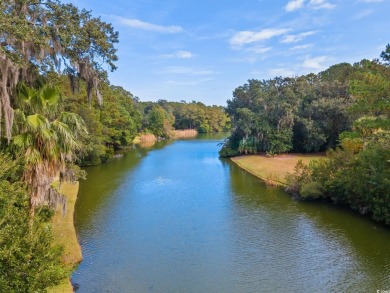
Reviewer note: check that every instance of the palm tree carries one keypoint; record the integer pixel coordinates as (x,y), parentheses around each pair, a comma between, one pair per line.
(48,144)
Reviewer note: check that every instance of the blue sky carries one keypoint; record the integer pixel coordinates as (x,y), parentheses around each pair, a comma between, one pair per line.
(202,50)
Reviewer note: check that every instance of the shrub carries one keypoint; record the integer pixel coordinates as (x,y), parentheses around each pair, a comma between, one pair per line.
(311,190)
(29,262)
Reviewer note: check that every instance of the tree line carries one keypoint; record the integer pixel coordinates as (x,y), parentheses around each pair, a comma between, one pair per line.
(300,114)
(163,116)
(113,125)
(344,110)
(357,172)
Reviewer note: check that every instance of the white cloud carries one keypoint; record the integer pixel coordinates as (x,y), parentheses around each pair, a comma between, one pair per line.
(301,47)
(297,38)
(315,62)
(321,4)
(142,25)
(184,54)
(363,14)
(179,54)
(248,37)
(313,4)
(294,5)
(281,72)
(259,50)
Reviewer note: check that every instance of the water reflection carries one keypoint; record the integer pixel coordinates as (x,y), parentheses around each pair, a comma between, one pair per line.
(176,218)
(326,240)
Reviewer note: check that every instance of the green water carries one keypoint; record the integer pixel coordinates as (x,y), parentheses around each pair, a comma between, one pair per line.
(176,218)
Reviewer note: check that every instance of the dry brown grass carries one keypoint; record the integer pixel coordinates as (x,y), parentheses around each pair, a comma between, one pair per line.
(186,133)
(271,180)
(137,140)
(147,137)
(274,169)
(65,234)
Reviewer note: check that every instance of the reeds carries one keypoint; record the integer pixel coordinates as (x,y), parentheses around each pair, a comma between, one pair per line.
(186,133)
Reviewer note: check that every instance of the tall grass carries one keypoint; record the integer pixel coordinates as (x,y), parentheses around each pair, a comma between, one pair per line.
(186,133)
(148,137)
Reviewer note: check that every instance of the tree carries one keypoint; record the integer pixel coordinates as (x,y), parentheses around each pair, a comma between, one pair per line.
(160,122)
(48,144)
(44,36)
(357,173)
(339,72)
(385,55)
(263,114)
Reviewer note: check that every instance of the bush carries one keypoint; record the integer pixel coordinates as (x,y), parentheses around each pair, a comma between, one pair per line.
(312,190)
(226,151)
(29,262)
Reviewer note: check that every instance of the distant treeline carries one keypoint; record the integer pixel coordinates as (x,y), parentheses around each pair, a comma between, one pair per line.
(183,115)
(114,124)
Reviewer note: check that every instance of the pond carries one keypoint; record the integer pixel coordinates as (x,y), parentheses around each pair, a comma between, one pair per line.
(175,217)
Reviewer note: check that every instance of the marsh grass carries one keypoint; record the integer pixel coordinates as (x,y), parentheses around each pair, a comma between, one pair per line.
(147,137)
(186,133)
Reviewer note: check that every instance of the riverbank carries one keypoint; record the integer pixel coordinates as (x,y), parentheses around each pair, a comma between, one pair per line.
(273,170)
(65,234)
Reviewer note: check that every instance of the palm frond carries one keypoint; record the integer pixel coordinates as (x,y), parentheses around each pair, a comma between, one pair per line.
(36,121)
(49,94)
(22,141)
(74,121)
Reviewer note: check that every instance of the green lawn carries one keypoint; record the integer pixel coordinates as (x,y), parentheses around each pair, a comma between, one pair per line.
(65,234)
(274,169)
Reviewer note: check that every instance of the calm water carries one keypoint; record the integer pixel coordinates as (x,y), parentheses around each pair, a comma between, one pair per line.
(176,218)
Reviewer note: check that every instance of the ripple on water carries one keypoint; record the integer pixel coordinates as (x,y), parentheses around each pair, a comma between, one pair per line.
(182,220)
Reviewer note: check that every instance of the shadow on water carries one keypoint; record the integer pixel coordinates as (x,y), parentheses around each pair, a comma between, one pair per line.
(97,193)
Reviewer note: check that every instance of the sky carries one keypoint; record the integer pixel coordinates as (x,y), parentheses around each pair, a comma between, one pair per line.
(202,50)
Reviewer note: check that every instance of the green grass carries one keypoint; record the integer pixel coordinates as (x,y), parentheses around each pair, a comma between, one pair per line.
(65,234)
(273,170)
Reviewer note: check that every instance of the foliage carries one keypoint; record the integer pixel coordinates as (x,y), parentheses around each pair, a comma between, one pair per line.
(194,115)
(358,173)
(385,55)
(309,113)
(111,126)
(159,122)
(28,260)
(41,37)
(47,141)
(311,190)
(298,178)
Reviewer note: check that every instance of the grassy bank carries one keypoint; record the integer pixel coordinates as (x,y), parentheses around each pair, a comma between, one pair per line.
(273,169)
(65,234)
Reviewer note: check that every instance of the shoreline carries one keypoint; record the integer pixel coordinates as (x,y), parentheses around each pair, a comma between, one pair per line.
(64,233)
(272,170)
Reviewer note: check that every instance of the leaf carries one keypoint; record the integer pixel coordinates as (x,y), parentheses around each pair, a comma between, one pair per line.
(35,121)
(50,95)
